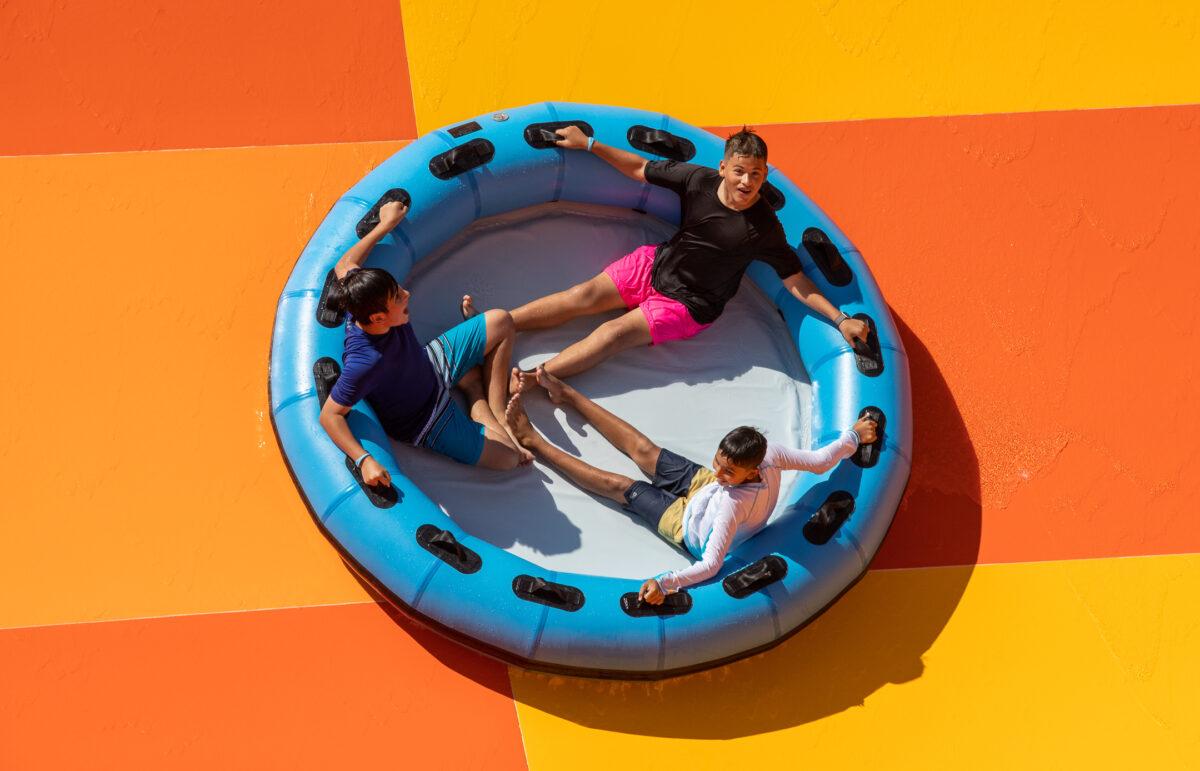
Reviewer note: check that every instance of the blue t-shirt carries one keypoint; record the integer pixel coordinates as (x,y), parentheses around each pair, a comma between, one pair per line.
(392,372)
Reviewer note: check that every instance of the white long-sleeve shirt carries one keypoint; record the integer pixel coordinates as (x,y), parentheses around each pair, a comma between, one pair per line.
(719,517)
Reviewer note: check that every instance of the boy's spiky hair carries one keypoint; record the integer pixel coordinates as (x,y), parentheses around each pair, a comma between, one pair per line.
(746,142)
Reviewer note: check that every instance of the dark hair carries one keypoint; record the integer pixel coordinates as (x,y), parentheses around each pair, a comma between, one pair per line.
(744,446)
(747,143)
(363,292)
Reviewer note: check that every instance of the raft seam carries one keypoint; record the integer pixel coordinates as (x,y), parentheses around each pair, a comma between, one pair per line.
(293,399)
(342,497)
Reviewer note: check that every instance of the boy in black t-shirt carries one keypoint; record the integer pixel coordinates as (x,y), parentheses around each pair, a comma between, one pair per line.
(676,289)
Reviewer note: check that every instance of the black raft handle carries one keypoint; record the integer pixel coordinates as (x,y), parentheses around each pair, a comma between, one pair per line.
(827,257)
(443,545)
(867,455)
(659,142)
(672,605)
(326,316)
(371,218)
(383,496)
(325,373)
(868,356)
(545,592)
(541,136)
(773,196)
(461,159)
(836,509)
(755,576)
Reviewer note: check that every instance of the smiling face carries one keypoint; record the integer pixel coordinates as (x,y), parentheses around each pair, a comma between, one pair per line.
(729,473)
(742,176)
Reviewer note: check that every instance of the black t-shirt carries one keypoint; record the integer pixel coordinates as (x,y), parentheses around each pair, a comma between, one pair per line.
(701,265)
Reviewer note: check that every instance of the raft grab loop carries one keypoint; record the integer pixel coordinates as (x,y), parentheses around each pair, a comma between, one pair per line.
(867,455)
(827,257)
(382,496)
(461,159)
(755,576)
(443,545)
(672,605)
(833,513)
(867,355)
(659,142)
(541,136)
(325,373)
(326,316)
(371,218)
(545,592)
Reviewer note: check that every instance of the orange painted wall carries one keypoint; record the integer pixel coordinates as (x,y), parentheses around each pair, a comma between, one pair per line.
(1043,271)
(332,687)
(143,74)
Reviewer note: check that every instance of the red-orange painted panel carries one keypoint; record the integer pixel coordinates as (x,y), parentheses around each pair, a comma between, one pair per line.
(148,74)
(323,687)
(1043,268)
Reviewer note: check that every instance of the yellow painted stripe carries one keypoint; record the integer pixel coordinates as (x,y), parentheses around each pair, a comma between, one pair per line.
(140,473)
(711,63)
(1082,664)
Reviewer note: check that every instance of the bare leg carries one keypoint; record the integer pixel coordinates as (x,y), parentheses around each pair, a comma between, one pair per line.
(596,295)
(496,363)
(604,483)
(500,451)
(620,334)
(619,434)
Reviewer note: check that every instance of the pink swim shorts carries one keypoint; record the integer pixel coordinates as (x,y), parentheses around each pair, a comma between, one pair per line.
(668,319)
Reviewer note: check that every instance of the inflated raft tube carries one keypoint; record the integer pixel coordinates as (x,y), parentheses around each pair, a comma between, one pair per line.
(401,542)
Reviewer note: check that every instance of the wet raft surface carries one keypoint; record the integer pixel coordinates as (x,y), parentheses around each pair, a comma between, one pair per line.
(684,395)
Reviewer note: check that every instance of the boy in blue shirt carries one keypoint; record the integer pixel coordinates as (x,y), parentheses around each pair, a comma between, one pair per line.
(409,385)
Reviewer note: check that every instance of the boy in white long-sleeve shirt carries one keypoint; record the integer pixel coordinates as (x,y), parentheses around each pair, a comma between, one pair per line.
(705,512)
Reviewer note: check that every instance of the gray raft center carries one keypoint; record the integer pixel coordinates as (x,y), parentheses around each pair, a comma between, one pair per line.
(684,395)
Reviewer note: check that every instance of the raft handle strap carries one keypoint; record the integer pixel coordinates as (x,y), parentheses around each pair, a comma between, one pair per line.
(755,576)
(675,604)
(326,316)
(867,355)
(461,159)
(659,142)
(773,196)
(325,373)
(867,455)
(371,218)
(825,255)
(382,496)
(443,545)
(545,592)
(541,136)
(836,509)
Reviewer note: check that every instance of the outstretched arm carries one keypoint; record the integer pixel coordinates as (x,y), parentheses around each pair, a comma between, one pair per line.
(333,420)
(655,589)
(630,164)
(390,215)
(822,459)
(806,292)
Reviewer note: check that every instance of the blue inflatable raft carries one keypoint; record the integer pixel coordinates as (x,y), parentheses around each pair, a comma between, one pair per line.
(400,542)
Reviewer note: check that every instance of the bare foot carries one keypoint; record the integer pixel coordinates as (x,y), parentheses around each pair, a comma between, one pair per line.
(520,381)
(555,388)
(518,423)
(468,307)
